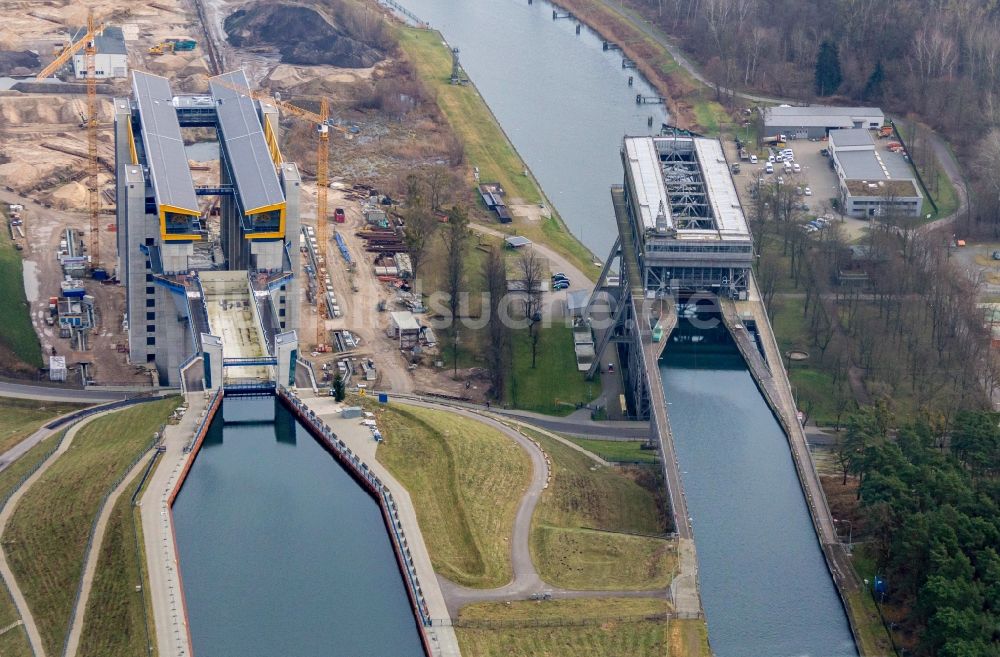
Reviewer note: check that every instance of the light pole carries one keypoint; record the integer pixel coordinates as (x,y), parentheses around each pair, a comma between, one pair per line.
(850,533)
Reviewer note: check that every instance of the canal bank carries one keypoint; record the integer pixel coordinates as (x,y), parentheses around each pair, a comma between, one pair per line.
(414,578)
(764,577)
(526,74)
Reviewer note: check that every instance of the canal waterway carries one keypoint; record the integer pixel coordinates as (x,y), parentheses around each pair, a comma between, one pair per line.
(281,551)
(564,102)
(765,586)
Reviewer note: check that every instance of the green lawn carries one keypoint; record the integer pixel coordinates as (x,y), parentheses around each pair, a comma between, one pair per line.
(583,497)
(486,145)
(591,629)
(17,335)
(621,451)
(22,417)
(466,480)
(554,386)
(47,535)
(114,624)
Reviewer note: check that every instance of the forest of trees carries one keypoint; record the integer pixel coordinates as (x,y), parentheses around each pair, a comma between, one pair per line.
(938,60)
(931,500)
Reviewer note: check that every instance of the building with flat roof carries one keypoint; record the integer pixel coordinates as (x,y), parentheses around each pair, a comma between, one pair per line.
(171,262)
(111,58)
(872,183)
(688,228)
(816,121)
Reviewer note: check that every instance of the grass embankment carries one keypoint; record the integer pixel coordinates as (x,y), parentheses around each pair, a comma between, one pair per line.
(584,497)
(19,346)
(486,145)
(114,622)
(466,480)
(48,532)
(692,105)
(592,628)
(554,386)
(22,417)
(15,642)
(619,451)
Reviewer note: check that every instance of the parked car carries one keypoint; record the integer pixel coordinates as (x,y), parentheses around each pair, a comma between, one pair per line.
(339,216)
(560,285)
(753,159)
(559,274)
(808,192)
(768,168)
(796,168)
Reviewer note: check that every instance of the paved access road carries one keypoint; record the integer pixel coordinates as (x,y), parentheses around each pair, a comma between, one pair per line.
(46,393)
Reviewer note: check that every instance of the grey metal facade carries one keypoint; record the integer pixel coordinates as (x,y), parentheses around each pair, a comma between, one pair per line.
(159,269)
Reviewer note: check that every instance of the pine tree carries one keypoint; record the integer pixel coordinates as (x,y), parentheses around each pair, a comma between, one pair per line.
(873,88)
(338,388)
(828,76)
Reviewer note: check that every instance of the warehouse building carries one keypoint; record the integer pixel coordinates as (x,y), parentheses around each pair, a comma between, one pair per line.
(816,121)
(111,60)
(872,183)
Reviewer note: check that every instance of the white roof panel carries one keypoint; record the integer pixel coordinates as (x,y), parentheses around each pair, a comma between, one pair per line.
(729,220)
(242,135)
(644,166)
(162,143)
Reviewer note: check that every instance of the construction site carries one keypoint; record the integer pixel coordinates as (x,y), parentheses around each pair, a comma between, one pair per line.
(65,134)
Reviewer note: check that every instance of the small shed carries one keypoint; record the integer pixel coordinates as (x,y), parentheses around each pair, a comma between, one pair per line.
(57,368)
(404,326)
(351,412)
(517,241)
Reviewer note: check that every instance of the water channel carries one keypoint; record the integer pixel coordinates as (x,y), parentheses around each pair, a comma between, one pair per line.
(765,587)
(281,551)
(563,102)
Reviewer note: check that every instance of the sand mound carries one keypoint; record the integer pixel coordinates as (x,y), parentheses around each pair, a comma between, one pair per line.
(167,63)
(71,196)
(9,40)
(196,66)
(18,174)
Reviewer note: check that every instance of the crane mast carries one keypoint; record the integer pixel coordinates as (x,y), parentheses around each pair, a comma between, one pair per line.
(94,197)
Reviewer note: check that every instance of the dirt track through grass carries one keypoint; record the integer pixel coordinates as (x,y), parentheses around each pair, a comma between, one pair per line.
(48,532)
(466,480)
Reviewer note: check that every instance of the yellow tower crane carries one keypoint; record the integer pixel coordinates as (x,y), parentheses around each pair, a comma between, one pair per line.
(323,126)
(88,45)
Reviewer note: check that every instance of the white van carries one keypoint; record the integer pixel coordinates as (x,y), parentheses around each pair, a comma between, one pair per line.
(796,168)
(753,159)
(768,168)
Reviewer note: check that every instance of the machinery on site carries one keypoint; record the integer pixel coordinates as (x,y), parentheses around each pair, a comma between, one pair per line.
(86,42)
(173,45)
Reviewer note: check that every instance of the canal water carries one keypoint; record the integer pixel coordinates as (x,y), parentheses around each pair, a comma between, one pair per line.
(564,102)
(764,583)
(565,105)
(281,551)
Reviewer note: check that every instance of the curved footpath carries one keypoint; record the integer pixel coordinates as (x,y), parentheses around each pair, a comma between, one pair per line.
(526,580)
(34,638)
(93,556)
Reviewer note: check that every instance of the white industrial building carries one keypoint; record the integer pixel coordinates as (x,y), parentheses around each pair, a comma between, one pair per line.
(872,182)
(816,121)
(111,60)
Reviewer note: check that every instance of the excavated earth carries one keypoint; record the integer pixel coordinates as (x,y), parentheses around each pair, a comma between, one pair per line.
(300,34)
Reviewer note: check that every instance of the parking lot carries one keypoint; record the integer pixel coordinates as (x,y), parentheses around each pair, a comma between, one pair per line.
(816,174)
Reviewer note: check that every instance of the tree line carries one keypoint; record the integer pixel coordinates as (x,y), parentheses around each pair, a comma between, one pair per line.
(930,494)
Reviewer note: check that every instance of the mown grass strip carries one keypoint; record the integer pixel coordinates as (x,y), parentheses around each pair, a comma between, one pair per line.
(593,628)
(48,533)
(22,417)
(114,621)
(16,332)
(486,145)
(466,480)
